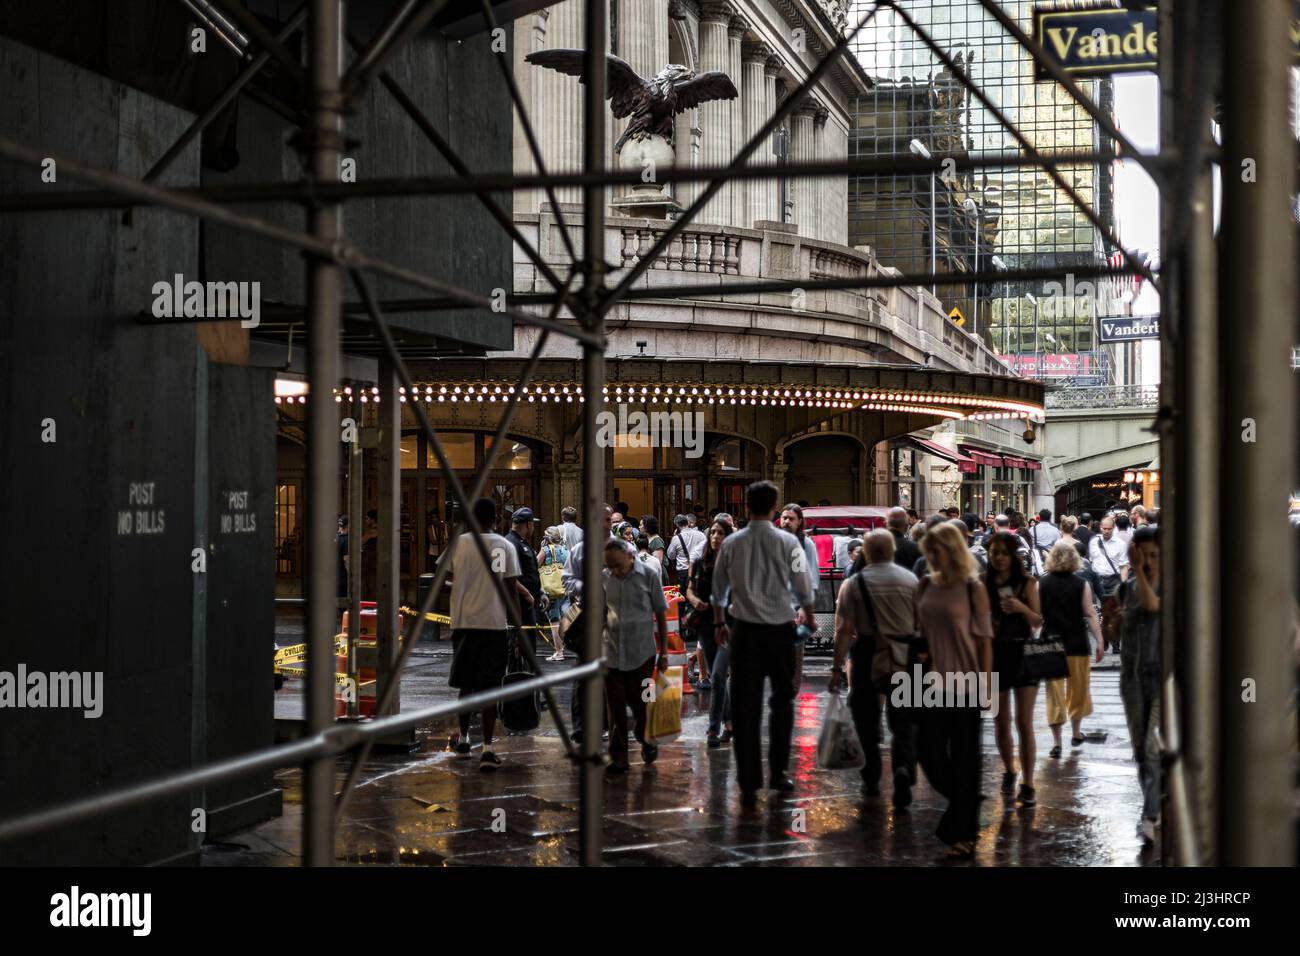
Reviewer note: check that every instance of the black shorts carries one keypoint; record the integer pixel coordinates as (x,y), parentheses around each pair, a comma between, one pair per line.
(478,660)
(1007,656)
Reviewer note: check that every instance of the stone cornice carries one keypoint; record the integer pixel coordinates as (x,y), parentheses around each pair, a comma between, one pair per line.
(713,11)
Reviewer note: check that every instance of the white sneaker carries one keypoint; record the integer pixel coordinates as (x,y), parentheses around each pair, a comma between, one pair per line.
(1147,831)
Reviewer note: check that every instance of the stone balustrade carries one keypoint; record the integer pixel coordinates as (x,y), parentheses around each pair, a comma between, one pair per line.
(898,325)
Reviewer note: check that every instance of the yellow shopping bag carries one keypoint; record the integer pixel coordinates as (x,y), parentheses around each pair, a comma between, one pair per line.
(664,712)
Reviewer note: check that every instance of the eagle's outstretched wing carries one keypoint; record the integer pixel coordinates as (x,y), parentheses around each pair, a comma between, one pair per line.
(624,88)
(704,87)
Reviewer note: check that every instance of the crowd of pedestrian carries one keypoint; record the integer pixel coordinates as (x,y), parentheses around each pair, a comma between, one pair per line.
(1000,606)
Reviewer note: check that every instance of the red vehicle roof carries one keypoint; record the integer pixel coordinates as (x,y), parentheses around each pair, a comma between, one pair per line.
(858,517)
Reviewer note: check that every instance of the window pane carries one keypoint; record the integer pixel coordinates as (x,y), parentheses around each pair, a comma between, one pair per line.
(459,447)
(514,455)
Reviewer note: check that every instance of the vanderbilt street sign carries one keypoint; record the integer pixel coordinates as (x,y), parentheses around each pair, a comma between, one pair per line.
(1099,42)
(1130,328)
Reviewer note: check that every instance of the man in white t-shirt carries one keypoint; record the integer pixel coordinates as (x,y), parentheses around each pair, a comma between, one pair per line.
(479,621)
(569,527)
(686,545)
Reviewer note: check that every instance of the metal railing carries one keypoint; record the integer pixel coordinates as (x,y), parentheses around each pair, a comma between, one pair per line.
(325,744)
(1105,396)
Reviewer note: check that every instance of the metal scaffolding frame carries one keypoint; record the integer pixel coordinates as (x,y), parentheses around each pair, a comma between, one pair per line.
(1259,268)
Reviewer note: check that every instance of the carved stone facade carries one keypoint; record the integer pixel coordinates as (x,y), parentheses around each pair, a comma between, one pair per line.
(737,37)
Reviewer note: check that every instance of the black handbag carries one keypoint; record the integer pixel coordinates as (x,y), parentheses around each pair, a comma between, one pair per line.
(521,713)
(1043,659)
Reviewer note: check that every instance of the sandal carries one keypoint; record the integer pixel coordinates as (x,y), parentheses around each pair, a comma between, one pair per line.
(961,850)
(1055,752)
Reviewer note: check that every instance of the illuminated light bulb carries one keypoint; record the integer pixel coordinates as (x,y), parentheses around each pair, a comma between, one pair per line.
(277,399)
(348,390)
(337,398)
(455,398)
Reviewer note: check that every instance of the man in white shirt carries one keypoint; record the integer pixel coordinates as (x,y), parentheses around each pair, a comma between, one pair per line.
(1108,555)
(687,545)
(569,528)
(758,578)
(479,622)
(1044,534)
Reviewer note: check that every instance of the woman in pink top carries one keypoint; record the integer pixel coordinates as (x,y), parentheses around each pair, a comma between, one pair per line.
(953,613)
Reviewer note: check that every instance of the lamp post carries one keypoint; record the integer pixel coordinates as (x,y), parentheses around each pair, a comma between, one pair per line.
(971,206)
(917,148)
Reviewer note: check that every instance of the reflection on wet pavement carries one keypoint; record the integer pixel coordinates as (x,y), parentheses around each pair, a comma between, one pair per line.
(432,809)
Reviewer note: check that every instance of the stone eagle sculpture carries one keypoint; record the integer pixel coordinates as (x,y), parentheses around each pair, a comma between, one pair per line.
(652,103)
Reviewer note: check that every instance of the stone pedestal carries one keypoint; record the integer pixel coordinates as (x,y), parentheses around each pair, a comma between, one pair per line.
(650,157)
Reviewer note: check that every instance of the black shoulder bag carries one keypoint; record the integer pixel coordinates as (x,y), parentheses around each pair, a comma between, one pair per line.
(1043,658)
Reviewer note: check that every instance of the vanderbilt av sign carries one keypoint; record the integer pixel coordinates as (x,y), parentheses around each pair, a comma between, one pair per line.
(1096,42)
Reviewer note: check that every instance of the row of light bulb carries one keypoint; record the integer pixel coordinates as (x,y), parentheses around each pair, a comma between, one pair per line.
(708,395)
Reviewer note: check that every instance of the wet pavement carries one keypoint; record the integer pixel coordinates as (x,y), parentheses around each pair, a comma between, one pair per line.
(431,808)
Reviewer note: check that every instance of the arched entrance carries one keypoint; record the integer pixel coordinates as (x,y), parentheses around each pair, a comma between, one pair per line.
(824,468)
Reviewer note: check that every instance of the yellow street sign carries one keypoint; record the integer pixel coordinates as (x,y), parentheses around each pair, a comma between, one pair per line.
(956,316)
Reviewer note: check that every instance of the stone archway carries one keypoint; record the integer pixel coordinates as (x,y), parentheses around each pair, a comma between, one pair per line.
(827,465)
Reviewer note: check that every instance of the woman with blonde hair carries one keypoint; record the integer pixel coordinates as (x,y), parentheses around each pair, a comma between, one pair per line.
(1066,600)
(953,614)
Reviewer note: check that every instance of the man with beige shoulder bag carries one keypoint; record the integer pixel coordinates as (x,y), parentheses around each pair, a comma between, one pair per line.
(875,626)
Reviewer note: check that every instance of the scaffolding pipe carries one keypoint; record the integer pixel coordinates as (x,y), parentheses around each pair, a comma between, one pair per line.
(1257,300)
(406,187)
(593,456)
(325,297)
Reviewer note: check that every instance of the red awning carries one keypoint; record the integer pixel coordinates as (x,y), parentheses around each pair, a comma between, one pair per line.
(947,454)
(983,457)
(1033,465)
(1014,462)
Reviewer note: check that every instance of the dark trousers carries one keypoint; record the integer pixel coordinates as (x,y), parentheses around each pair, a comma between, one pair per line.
(864,704)
(761,651)
(624,689)
(950,756)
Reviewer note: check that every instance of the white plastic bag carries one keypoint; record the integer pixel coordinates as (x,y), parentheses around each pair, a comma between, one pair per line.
(838,747)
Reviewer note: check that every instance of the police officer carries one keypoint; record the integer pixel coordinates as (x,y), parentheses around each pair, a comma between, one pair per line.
(530,578)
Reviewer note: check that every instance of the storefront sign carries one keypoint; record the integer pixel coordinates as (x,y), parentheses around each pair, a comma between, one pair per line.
(1102,41)
(1130,328)
(1072,365)
(1098,42)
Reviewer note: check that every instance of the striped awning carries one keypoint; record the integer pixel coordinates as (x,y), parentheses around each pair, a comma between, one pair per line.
(962,462)
(983,457)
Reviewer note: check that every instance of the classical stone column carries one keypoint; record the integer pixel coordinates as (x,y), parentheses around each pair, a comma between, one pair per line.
(772,187)
(642,41)
(803,150)
(753,98)
(715,117)
(816,187)
(556,113)
(739,189)
(686,127)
